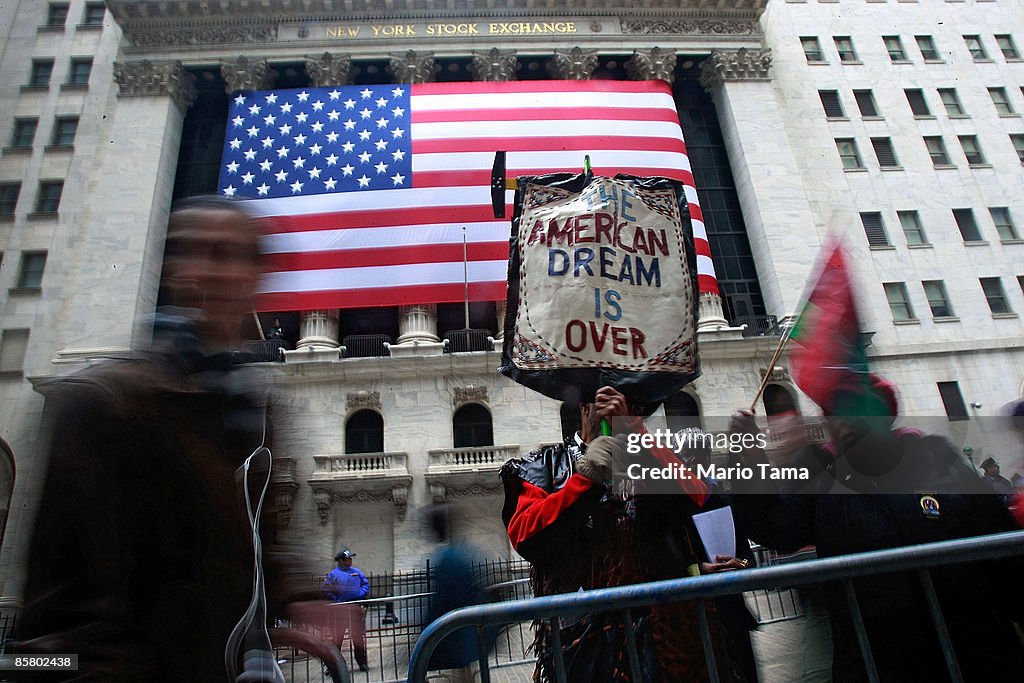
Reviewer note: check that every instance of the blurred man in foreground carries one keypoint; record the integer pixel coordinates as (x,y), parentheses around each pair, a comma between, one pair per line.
(142,558)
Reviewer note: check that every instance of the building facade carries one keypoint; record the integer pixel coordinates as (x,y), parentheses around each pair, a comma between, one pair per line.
(896,125)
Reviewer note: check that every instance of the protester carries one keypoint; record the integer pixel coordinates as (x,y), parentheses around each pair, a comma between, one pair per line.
(141,560)
(1000,484)
(580,533)
(892,488)
(346,583)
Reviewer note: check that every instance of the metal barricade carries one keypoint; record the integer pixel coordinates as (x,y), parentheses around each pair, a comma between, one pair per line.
(919,558)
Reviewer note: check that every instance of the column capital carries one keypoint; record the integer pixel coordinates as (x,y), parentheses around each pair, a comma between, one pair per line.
(243,73)
(494,65)
(576,64)
(655,64)
(161,78)
(413,67)
(735,65)
(329,69)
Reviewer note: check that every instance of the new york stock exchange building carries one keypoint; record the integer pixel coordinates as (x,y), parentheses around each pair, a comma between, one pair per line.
(895,124)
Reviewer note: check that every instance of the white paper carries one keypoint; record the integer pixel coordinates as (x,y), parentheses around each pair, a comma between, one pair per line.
(717,532)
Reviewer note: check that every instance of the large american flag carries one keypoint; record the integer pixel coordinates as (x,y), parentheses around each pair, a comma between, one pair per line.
(374,187)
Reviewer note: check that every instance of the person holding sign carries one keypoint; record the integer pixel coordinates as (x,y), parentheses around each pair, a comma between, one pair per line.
(583,528)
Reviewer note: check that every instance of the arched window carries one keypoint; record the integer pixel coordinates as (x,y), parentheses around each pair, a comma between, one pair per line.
(569,414)
(364,432)
(6,486)
(682,411)
(778,400)
(471,426)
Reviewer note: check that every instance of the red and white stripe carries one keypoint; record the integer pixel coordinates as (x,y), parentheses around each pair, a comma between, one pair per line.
(392,247)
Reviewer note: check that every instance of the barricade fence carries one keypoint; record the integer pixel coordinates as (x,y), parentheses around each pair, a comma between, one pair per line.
(920,559)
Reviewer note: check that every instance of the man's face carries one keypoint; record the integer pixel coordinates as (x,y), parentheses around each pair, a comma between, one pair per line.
(345,562)
(212,263)
(992,470)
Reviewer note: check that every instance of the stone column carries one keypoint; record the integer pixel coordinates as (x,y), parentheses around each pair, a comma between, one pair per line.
(494,65)
(768,181)
(329,69)
(413,67)
(126,209)
(576,64)
(243,73)
(417,323)
(318,331)
(499,312)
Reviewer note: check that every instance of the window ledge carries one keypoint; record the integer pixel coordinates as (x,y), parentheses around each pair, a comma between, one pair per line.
(982,165)
(11,374)
(986,60)
(816,61)
(900,61)
(946,319)
(73,86)
(924,117)
(925,245)
(872,118)
(88,27)
(35,88)
(944,166)
(935,61)
(1011,115)
(881,247)
(51,28)
(42,215)
(1010,60)
(959,116)
(59,148)
(17,150)
(859,169)
(837,118)
(1004,316)
(25,291)
(1015,240)
(975,243)
(891,168)
(911,321)
(854,62)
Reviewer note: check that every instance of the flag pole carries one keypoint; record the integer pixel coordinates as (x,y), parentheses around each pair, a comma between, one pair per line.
(465,274)
(771,366)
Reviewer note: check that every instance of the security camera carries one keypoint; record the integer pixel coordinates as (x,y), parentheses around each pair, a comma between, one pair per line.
(976,405)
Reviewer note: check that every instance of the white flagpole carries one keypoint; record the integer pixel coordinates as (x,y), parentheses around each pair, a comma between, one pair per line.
(465,273)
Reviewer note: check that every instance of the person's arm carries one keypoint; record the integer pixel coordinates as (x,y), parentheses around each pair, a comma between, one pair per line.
(364,586)
(329,587)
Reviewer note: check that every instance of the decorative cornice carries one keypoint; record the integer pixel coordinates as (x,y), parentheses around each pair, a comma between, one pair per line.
(155,79)
(494,65)
(329,69)
(735,65)
(413,67)
(362,399)
(576,64)
(471,393)
(690,27)
(203,35)
(652,65)
(247,74)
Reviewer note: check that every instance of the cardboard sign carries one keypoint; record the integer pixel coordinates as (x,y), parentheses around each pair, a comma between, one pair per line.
(602,287)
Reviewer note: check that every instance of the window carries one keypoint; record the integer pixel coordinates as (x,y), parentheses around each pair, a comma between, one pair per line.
(812,49)
(968,226)
(569,415)
(951,101)
(78,72)
(894,46)
(884,153)
(681,411)
(994,294)
(8,198)
(1001,101)
(1005,228)
(64,130)
(831,104)
(975,47)
(937,151)
(972,151)
(844,46)
(24,132)
(866,103)
(912,230)
(30,273)
(848,153)
(364,432)
(1020,281)
(1018,145)
(471,426)
(42,69)
(953,400)
(874,229)
(899,303)
(48,199)
(938,302)
(927,47)
(1007,46)
(94,12)
(13,344)
(57,14)
(918,105)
